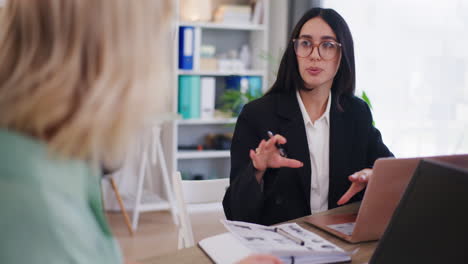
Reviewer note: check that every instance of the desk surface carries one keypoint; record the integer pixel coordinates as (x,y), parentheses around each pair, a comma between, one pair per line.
(195,255)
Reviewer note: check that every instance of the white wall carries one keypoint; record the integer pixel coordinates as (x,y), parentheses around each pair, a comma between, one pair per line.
(412,60)
(278,35)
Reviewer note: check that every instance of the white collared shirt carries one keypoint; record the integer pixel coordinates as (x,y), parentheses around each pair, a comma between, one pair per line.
(318,140)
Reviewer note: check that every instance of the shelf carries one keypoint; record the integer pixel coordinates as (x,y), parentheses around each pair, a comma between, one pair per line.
(204,154)
(225,26)
(149,202)
(213,121)
(224,38)
(223,73)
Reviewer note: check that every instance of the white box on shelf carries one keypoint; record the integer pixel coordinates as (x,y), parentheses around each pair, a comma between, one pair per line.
(257,16)
(195,10)
(235,14)
(207,104)
(226,65)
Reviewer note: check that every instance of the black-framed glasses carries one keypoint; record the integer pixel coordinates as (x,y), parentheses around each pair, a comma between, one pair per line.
(327,49)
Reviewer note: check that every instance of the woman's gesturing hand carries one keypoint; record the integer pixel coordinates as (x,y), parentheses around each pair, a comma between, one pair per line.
(359,182)
(267,155)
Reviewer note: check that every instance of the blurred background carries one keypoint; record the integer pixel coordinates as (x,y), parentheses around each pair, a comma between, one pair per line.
(411,64)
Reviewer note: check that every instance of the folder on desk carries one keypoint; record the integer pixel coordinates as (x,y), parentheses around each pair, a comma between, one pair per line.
(186,47)
(246,239)
(224,248)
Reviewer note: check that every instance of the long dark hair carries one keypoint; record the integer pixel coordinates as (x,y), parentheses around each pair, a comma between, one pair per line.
(289,79)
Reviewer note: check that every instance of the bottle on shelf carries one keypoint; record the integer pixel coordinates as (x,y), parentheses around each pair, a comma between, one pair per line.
(244,56)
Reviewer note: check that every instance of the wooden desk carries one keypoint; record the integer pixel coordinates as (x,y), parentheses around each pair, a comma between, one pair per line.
(196,256)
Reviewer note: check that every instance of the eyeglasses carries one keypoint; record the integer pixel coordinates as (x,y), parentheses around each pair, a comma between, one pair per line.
(327,50)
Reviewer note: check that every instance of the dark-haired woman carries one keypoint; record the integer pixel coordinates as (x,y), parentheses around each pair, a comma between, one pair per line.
(326,134)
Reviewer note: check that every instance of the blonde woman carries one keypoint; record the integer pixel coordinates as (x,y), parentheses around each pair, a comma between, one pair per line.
(77,79)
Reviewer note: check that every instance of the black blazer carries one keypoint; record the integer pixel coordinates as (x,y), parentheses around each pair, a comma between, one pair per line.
(354,145)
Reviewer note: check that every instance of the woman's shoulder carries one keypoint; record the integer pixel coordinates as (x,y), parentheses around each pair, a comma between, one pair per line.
(355,108)
(270,102)
(353,103)
(29,161)
(53,198)
(266,101)
(19,154)
(261,106)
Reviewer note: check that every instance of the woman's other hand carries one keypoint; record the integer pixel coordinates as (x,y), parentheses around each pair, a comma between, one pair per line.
(359,182)
(260,259)
(267,155)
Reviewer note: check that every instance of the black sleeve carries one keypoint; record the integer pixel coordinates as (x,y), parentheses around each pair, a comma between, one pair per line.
(243,200)
(375,148)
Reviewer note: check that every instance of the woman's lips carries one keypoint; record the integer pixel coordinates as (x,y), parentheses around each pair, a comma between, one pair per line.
(314,70)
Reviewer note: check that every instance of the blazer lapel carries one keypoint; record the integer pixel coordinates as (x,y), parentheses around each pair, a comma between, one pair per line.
(341,130)
(293,129)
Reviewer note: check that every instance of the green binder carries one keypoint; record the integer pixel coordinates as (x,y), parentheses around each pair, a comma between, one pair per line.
(184,96)
(189,96)
(195,96)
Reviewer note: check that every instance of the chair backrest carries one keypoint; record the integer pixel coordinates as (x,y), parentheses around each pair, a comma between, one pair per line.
(204,191)
(194,192)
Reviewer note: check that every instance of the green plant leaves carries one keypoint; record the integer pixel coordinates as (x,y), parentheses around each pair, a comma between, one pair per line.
(234,100)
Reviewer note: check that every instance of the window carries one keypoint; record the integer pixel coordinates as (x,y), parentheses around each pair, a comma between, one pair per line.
(412,61)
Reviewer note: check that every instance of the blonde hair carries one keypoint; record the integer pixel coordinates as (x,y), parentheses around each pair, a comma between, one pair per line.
(80,74)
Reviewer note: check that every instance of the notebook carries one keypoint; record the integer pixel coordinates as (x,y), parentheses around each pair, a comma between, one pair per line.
(383,192)
(289,242)
(430,223)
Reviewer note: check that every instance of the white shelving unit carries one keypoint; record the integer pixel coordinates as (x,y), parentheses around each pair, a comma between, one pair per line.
(223,73)
(225,37)
(224,26)
(207,154)
(207,121)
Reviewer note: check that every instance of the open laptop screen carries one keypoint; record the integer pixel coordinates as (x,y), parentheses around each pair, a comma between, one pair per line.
(430,224)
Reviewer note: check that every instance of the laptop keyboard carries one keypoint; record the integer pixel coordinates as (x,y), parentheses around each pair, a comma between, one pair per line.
(345,228)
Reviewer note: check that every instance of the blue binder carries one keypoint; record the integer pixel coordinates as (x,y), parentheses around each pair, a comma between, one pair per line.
(186,47)
(232,82)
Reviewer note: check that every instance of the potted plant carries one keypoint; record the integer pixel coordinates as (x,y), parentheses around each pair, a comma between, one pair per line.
(234,100)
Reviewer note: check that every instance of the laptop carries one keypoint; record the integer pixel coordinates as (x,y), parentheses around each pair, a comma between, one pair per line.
(430,223)
(384,190)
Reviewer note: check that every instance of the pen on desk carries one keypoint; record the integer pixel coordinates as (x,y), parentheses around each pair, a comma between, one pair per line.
(278,146)
(286,234)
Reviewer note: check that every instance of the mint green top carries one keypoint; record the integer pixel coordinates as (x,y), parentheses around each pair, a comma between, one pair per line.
(50,209)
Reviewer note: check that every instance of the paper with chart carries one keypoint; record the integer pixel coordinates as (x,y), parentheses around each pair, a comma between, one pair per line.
(265,239)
